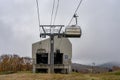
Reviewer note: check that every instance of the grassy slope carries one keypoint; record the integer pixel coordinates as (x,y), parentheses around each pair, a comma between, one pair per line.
(72,76)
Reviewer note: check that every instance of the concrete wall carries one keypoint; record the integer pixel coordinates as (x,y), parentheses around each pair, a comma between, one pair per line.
(63,44)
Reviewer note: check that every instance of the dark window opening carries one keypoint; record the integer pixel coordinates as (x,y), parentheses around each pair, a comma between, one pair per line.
(58,70)
(42,70)
(42,58)
(58,58)
(64,71)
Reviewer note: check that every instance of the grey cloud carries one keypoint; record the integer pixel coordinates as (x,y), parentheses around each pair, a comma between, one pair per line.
(99,20)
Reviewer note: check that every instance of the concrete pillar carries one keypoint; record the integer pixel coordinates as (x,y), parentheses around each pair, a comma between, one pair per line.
(34,69)
(48,70)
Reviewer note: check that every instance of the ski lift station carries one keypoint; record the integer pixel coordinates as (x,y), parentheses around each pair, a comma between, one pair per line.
(53,55)
(62,55)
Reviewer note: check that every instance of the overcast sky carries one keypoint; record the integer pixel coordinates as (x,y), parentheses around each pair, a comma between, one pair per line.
(99,21)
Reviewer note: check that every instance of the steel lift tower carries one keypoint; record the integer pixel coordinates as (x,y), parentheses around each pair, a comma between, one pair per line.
(50,32)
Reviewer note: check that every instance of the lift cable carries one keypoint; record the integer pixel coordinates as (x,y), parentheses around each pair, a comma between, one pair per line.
(75,11)
(52,12)
(38,13)
(56,11)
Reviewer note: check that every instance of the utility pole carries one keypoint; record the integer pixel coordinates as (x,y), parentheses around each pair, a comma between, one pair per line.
(51,34)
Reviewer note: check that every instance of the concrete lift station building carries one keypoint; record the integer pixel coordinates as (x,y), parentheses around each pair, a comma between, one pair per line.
(62,55)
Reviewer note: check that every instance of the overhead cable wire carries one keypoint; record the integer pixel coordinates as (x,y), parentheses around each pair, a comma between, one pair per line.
(38,13)
(52,12)
(75,11)
(56,12)
(78,6)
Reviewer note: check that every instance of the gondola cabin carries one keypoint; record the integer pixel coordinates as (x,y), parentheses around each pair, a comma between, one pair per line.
(73,31)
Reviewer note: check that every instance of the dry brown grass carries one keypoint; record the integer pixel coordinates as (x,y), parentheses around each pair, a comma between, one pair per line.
(72,76)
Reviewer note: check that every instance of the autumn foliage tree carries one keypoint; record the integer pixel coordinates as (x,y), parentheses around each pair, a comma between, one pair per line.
(15,63)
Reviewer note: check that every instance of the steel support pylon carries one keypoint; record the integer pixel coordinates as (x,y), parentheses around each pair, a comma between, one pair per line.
(52,53)
(51,35)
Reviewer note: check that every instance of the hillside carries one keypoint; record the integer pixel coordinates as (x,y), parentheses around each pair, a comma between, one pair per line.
(88,69)
(110,64)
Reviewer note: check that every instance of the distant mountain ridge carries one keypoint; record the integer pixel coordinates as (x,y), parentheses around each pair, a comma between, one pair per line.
(110,64)
(88,69)
(80,66)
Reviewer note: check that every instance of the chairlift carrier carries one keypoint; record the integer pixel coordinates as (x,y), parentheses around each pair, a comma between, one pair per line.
(73,30)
